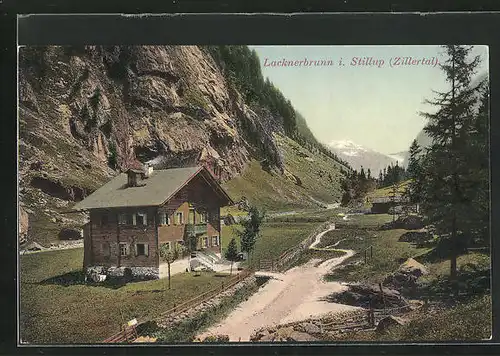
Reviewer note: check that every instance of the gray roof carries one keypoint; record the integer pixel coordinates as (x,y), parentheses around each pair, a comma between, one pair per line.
(397,198)
(159,187)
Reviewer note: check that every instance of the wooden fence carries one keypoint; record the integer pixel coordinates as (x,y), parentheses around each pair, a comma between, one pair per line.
(125,335)
(364,319)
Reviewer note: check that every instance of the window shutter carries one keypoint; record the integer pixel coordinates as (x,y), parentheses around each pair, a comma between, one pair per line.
(136,250)
(146,249)
(134,219)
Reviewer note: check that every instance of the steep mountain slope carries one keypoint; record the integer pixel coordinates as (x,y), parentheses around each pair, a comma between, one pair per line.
(358,156)
(87,112)
(310,179)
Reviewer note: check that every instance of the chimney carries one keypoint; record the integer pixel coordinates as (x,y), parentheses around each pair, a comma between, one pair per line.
(131,178)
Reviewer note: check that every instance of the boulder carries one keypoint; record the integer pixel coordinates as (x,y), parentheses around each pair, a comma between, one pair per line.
(300,336)
(389,322)
(23,225)
(417,237)
(34,246)
(70,234)
(311,328)
(410,266)
(410,222)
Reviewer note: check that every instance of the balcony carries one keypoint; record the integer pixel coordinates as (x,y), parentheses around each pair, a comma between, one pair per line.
(196,229)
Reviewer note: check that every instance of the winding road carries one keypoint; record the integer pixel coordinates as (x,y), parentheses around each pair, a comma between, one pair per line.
(291,296)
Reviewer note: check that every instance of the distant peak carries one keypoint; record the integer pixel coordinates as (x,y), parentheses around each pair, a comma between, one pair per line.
(346,144)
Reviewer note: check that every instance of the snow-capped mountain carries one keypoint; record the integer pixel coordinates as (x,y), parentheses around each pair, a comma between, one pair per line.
(358,156)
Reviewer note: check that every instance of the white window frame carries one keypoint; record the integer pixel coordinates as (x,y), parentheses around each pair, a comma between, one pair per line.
(206,242)
(163,218)
(214,241)
(127,251)
(144,218)
(203,217)
(122,219)
(146,249)
(191,210)
(181,219)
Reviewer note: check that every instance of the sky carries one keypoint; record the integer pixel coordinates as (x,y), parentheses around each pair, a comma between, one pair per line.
(373,105)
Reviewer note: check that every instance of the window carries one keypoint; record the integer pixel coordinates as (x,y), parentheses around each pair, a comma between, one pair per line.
(122,219)
(215,241)
(179,218)
(203,217)
(206,242)
(123,249)
(142,250)
(163,218)
(130,219)
(191,216)
(105,250)
(141,219)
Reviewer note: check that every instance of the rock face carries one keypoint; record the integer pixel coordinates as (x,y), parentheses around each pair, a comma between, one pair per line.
(143,102)
(86,112)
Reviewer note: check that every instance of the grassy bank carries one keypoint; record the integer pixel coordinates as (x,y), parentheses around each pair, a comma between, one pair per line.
(309,177)
(187,330)
(467,317)
(57,307)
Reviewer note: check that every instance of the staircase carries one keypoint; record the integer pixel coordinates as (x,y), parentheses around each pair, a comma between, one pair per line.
(208,260)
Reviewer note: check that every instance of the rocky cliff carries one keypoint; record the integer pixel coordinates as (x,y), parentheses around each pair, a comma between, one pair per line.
(86,112)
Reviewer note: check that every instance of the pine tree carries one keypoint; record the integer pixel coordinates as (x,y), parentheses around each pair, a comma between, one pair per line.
(251,229)
(414,172)
(446,167)
(231,253)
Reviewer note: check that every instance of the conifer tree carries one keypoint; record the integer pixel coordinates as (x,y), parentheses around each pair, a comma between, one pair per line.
(446,164)
(414,172)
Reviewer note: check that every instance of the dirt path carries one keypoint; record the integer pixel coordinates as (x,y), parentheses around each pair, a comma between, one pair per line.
(290,296)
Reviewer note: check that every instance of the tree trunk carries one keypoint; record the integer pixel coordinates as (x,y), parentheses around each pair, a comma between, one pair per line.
(453,257)
(168,264)
(231,269)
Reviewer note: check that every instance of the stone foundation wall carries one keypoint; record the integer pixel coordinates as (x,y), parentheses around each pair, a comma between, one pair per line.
(135,273)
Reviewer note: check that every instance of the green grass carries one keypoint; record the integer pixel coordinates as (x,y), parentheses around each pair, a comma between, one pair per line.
(388,253)
(276,238)
(273,191)
(466,321)
(387,191)
(227,233)
(187,330)
(68,311)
